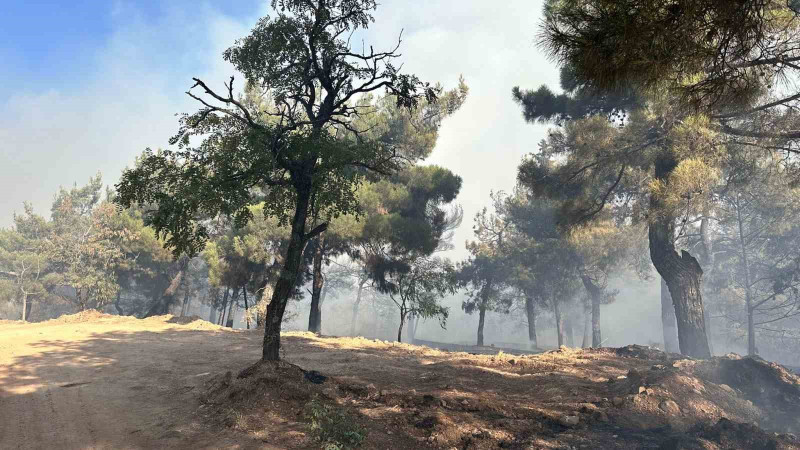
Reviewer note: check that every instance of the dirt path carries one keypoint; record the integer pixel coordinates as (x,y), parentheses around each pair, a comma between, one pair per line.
(96,382)
(113,383)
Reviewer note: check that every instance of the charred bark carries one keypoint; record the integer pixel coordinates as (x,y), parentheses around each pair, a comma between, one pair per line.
(669,324)
(289,272)
(682,273)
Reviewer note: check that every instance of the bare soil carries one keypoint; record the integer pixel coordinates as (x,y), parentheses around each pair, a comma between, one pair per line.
(97,381)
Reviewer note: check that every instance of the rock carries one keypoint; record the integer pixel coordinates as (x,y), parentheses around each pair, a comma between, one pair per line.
(384,393)
(569,421)
(600,416)
(642,390)
(465,402)
(670,407)
(443,403)
(727,388)
(658,367)
(617,401)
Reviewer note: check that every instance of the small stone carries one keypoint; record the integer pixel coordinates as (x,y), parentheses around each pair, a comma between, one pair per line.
(617,401)
(727,388)
(658,367)
(384,392)
(642,390)
(569,421)
(670,407)
(600,416)
(443,403)
(465,402)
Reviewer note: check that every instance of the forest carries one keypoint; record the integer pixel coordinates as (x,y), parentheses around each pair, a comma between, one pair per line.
(670,166)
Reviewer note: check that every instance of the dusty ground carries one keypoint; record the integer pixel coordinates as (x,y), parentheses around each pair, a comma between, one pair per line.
(97,381)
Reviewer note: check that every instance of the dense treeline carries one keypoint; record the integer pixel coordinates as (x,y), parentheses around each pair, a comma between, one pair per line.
(310,184)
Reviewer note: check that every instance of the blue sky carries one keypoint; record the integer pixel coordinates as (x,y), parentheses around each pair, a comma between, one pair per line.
(58,43)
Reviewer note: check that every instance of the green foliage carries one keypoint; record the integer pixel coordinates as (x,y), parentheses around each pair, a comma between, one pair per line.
(333,427)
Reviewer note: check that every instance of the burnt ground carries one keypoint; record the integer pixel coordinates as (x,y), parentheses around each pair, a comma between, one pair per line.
(94,381)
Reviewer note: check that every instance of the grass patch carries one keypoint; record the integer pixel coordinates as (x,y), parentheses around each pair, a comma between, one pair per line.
(333,427)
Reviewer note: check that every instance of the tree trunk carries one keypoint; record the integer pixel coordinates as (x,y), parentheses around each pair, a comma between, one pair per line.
(185,307)
(355,307)
(682,273)
(568,330)
(559,322)
(530,311)
(117,304)
(481,322)
(595,294)
(315,315)
(668,322)
(167,299)
(24,307)
(211,313)
(400,328)
(482,310)
(246,308)
(234,297)
(748,299)
(587,329)
(751,333)
(224,306)
(289,274)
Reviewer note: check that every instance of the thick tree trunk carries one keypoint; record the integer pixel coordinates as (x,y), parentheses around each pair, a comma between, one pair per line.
(315,315)
(559,322)
(482,310)
(211,313)
(481,322)
(668,322)
(530,312)
(682,273)
(289,274)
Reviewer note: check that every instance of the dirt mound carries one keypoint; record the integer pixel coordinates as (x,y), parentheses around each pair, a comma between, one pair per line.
(193,322)
(88,315)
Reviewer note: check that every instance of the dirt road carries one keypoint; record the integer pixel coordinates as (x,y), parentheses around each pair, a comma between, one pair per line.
(114,383)
(97,382)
